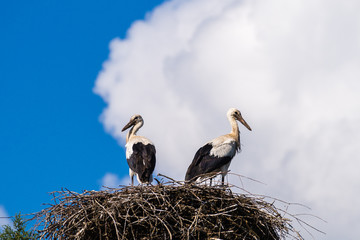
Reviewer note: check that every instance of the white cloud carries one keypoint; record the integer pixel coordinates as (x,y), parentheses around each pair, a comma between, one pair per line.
(111,180)
(291,67)
(4,217)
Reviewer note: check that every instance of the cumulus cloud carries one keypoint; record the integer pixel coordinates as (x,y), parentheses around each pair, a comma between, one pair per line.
(112,180)
(291,67)
(4,217)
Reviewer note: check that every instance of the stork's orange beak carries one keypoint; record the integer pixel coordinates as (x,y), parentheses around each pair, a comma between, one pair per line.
(129,124)
(244,123)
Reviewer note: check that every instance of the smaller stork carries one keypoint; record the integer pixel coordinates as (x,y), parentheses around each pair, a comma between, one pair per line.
(216,155)
(140,152)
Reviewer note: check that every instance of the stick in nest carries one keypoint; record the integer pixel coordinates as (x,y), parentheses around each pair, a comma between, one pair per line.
(165,211)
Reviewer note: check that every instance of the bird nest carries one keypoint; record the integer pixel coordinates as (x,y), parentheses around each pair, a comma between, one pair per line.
(171,210)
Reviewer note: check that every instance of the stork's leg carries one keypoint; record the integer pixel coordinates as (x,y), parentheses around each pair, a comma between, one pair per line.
(222,180)
(210,182)
(132,180)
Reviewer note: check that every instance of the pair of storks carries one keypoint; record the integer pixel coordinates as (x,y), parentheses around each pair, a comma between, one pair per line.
(214,157)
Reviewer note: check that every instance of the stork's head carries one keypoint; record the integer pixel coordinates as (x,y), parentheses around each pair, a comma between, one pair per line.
(134,120)
(236,114)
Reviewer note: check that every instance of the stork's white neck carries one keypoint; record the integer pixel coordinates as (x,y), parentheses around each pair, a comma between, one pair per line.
(133,130)
(234,130)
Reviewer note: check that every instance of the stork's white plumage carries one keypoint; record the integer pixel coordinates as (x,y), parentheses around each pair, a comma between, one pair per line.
(140,152)
(215,156)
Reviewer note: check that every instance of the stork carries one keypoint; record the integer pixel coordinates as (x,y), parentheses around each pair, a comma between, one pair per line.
(215,156)
(140,152)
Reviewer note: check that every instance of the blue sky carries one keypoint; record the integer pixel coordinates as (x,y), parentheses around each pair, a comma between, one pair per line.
(51,136)
(291,67)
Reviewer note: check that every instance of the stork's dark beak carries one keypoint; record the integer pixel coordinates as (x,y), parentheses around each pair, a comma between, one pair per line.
(244,123)
(129,124)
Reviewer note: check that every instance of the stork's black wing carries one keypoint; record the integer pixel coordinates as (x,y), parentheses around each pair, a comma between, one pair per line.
(143,160)
(204,163)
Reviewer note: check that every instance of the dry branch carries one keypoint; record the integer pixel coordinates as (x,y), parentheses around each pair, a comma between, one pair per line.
(166,211)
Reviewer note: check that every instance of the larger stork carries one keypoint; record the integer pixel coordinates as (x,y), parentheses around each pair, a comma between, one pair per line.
(140,152)
(215,156)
